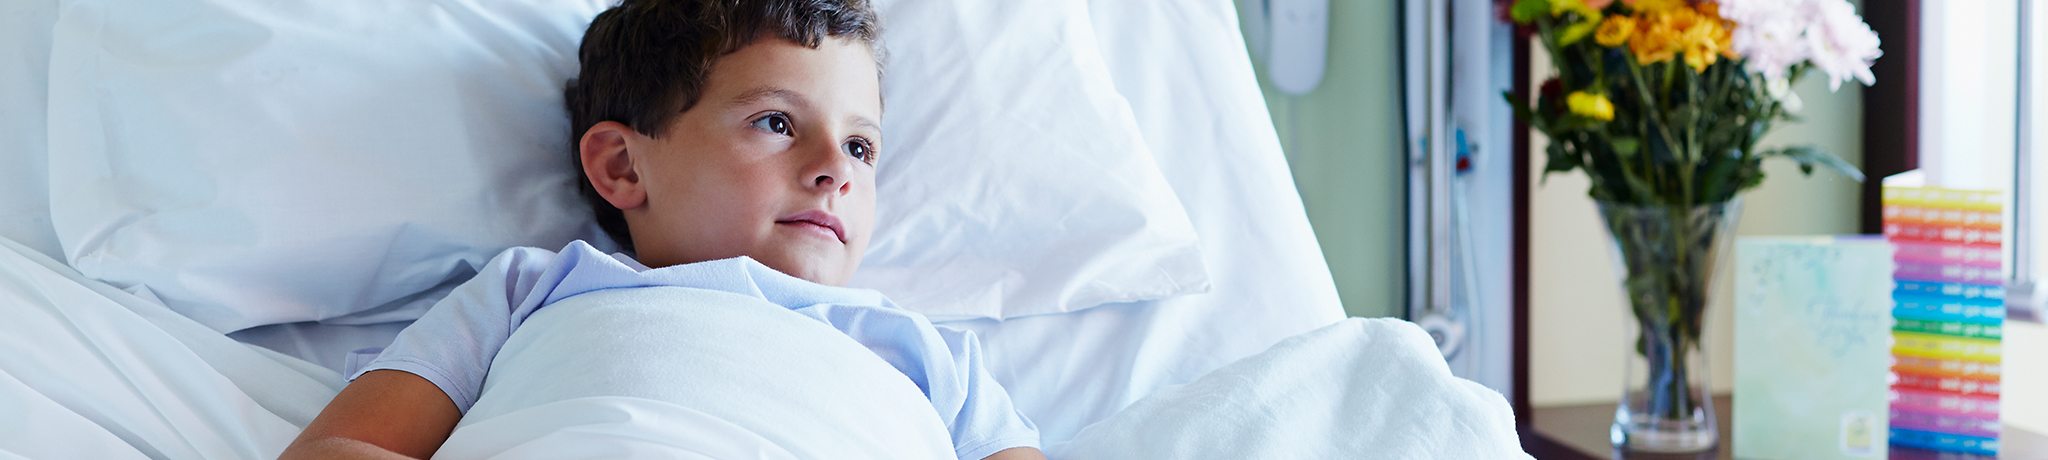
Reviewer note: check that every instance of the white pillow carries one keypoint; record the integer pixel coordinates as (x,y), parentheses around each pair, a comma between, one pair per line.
(255,162)
(25,85)
(1013,179)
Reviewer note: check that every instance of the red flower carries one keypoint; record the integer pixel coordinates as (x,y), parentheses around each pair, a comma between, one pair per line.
(1547,97)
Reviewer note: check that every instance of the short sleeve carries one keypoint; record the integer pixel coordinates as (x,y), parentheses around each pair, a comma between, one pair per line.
(452,345)
(986,421)
(946,364)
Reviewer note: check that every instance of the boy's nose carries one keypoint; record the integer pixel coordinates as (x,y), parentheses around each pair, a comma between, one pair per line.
(833,169)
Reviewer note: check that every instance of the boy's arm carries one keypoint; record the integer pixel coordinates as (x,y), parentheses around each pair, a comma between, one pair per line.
(383,414)
(412,395)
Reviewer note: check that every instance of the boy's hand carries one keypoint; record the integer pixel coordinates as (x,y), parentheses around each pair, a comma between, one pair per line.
(383,414)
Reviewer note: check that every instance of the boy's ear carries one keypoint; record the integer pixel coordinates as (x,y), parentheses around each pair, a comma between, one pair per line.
(608,165)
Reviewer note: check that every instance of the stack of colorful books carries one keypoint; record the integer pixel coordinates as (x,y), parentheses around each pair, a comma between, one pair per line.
(1949,316)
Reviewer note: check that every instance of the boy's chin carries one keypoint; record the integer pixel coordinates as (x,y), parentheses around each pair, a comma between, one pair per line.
(826,269)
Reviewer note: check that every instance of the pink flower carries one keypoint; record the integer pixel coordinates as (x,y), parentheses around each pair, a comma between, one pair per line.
(1767,34)
(1774,35)
(1840,44)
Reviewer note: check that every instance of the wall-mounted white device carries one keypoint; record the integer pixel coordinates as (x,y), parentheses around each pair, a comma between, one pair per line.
(1293,36)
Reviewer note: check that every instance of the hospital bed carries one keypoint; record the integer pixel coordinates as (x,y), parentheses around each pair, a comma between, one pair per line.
(98,366)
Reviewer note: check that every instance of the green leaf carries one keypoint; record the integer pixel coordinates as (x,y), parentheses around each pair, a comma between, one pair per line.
(1626,146)
(1521,108)
(1808,157)
(1525,11)
(1575,32)
(1642,188)
(1558,160)
(1719,183)
(1752,175)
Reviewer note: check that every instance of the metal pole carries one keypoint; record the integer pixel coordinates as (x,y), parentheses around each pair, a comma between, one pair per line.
(2020,288)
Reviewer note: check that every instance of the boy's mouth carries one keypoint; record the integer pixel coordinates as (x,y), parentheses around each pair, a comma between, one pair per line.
(824,221)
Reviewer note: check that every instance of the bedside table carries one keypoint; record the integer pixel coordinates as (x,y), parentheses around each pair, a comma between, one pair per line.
(1580,432)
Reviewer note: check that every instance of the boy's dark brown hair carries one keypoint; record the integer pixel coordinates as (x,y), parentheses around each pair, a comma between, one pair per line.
(645,61)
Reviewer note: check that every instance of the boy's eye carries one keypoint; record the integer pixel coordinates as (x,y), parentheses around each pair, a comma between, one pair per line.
(775,123)
(859,148)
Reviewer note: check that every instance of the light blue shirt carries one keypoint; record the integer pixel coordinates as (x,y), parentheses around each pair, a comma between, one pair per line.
(453,344)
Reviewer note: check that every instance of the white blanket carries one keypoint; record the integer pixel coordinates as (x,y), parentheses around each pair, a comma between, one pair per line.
(89,371)
(1358,389)
(93,372)
(675,372)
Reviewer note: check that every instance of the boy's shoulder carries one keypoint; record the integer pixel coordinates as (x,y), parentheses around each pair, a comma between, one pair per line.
(529,257)
(525,267)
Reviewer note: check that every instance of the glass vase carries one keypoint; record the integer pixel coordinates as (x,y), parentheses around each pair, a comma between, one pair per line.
(1669,258)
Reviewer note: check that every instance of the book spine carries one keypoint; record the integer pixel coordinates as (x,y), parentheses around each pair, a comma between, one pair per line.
(1948,318)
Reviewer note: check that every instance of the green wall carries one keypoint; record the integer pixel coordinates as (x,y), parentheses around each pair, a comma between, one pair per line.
(1343,142)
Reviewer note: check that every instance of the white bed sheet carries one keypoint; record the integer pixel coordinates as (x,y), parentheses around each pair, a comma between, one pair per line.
(113,375)
(95,372)
(326,345)
(1362,388)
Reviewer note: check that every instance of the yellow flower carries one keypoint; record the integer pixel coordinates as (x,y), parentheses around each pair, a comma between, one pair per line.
(1698,57)
(1655,6)
(1615,30)
(1710,10)
(1590,105)
(1655,40)
(1702,46)
(1683,20)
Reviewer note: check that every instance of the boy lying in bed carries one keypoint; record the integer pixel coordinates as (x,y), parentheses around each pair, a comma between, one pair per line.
(717,137)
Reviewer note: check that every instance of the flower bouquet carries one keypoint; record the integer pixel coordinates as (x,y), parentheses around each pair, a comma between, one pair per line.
(1661,103)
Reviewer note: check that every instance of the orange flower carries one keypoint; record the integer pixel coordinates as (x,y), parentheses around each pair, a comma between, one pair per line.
(1699,57)
(1724,30)
(1724,38)
(1698,37)
(1615,30)
(1656,39)
(1702,46)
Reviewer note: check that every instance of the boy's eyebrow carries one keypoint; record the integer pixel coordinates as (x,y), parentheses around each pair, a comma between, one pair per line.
(764,93)
(770,92)
(864,122)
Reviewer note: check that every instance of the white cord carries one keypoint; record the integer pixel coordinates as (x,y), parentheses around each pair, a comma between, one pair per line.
(1468,271)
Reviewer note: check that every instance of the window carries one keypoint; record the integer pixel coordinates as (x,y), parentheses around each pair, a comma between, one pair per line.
(1979,96)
